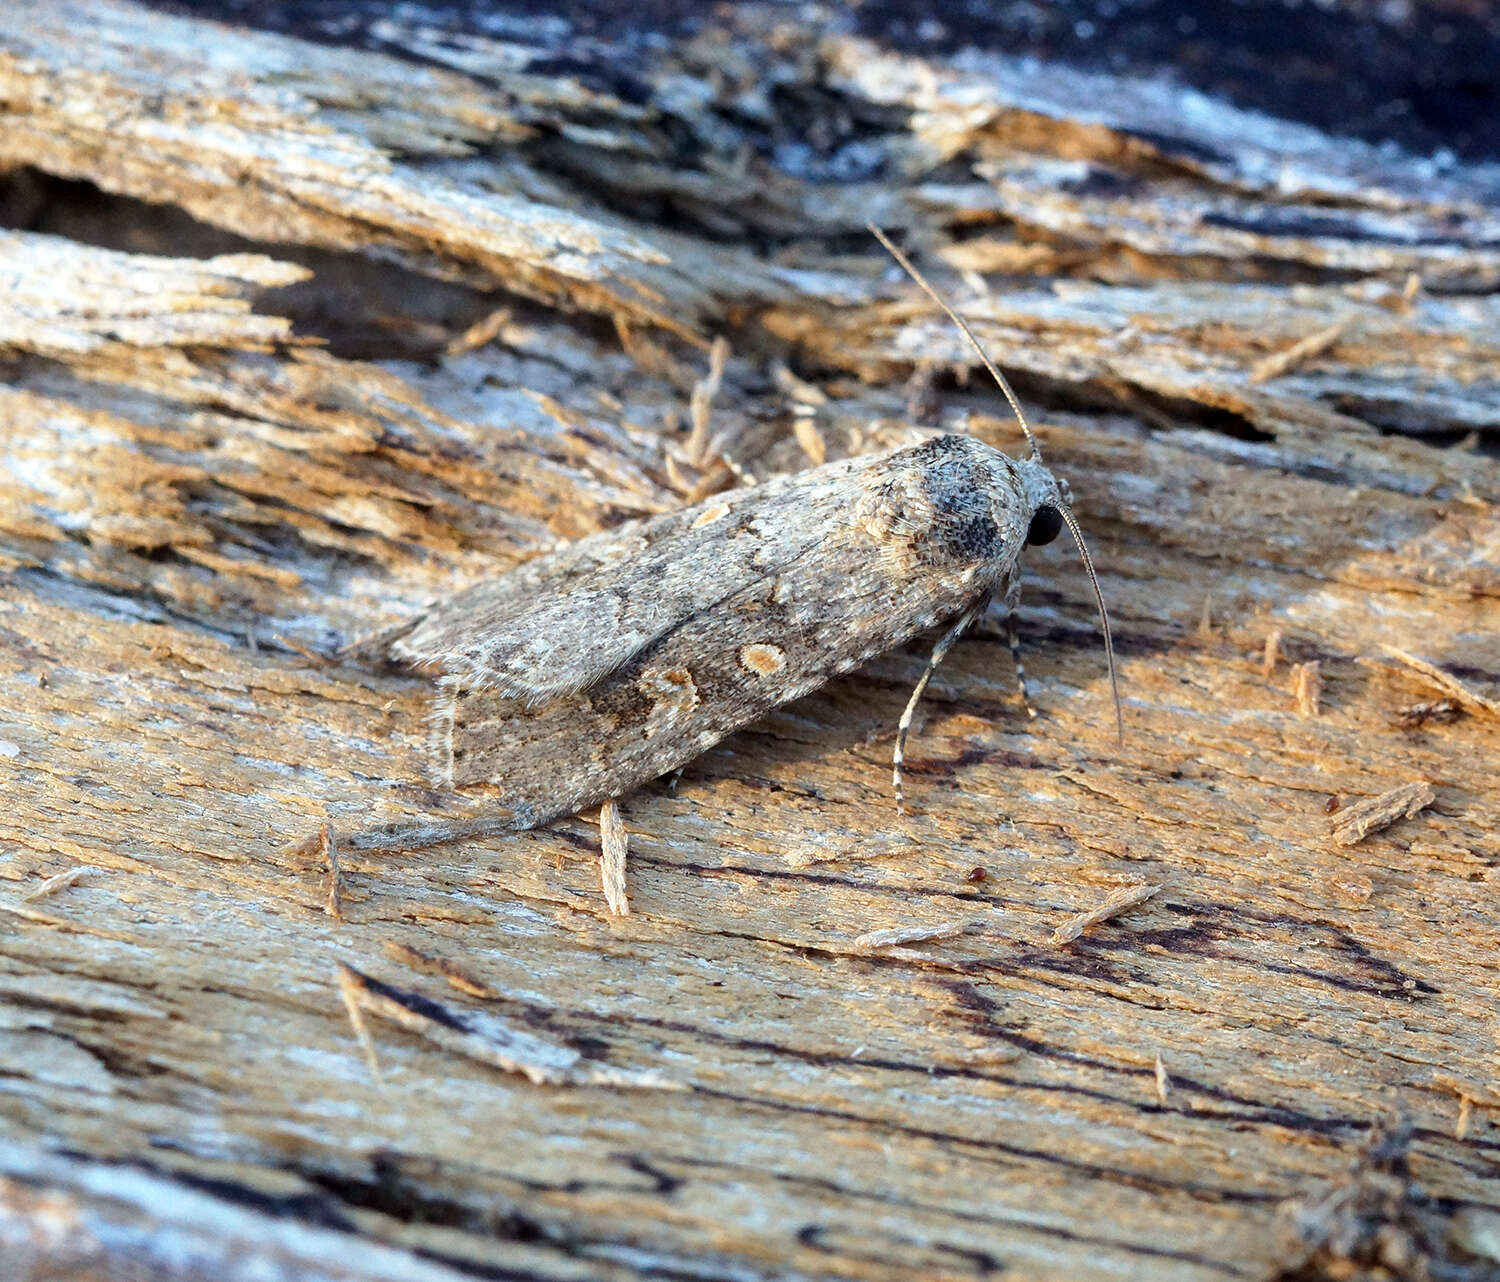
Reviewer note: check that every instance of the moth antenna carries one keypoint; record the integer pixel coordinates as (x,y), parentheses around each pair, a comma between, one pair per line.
(1109,646)
(906,265)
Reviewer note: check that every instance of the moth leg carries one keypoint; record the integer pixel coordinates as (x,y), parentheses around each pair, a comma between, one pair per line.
(939,653)
(1013,639)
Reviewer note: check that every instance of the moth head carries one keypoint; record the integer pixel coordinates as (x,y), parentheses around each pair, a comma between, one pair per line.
(1045,496)
(1046,525)
(1047,517)
(1048,498)
(1050,503)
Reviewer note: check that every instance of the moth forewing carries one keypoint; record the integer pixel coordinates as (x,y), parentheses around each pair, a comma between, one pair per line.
(881,548)
(563,621)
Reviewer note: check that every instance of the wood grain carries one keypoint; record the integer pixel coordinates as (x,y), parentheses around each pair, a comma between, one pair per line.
(391,322)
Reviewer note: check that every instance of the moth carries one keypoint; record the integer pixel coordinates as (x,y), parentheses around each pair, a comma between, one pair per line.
(596,667)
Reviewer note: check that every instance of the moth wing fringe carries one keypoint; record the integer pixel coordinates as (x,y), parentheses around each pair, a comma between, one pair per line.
(442,721)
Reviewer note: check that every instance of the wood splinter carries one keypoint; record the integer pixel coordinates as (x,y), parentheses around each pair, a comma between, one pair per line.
(910,935)
(1356,822)
(1272,655)
(351,989)
(1286,360)
(60,881)
(1119,902)
(1450,685)
(1307,687)
(1435,712)
(334,904)
(614,844)
(479,1036)
(322,845)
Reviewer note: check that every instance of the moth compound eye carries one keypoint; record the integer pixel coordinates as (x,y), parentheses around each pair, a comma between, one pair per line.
(1046,524)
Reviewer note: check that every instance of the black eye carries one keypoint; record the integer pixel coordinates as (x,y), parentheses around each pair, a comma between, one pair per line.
(1046,522)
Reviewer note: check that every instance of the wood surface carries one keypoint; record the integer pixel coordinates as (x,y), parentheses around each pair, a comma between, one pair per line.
(298,337)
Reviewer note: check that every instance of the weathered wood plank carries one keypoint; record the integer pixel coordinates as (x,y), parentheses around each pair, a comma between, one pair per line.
(220,468)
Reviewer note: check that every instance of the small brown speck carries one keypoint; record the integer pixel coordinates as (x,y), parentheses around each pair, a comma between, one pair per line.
(1331,805)
(975,875)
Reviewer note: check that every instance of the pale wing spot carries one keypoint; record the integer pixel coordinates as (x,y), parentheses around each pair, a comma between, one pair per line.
(673,696)
(709,515)
(624,548)
(763,660)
